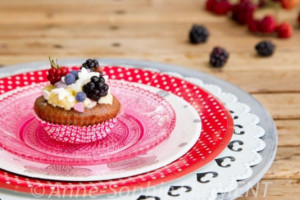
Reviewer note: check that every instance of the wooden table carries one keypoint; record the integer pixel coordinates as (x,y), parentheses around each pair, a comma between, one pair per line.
(157,30)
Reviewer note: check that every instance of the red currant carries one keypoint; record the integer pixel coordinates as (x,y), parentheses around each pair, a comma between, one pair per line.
(64,70)
(52,71)
(56,72)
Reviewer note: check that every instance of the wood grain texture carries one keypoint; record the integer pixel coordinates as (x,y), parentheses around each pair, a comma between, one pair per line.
(281,106)
(274,190)
(286,164)
(288,133)
(157,30)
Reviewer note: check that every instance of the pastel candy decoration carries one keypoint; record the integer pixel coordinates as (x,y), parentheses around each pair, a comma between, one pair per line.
(79,107)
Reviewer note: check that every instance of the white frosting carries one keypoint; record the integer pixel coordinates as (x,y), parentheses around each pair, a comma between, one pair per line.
(89,103)
(62,94)
(46,94)
(105,78)
(108,99)
(67,94)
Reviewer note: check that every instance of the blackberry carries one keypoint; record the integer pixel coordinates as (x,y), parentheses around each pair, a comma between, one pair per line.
(265,48)
(89,87)
(96,88)
(95,79)
(218,57)
(198,34)
(91,64)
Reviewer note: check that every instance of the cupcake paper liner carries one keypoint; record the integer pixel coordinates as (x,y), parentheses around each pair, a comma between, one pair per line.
(78,134)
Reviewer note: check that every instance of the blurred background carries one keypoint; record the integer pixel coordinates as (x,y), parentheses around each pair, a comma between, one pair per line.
(158,30)
(155,30)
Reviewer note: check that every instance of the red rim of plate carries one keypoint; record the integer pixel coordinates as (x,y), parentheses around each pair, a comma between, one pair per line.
(217,130)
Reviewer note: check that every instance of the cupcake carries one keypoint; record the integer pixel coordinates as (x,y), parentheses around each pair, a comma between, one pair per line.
(77,106)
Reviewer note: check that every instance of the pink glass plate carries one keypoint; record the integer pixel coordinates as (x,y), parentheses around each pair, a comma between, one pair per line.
(180,142)
(136,131)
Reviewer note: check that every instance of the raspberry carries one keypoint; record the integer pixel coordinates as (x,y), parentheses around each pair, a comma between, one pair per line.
(289,4)
(218,57)
(56,72)
(265,48)
(284,30)
(96,88)
(91,64)
(243,11)
(254,25)
(268,24)
(210,5)
(198,34)
(222,7)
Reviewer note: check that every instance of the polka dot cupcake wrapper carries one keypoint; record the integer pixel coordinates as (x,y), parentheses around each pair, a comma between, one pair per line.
(78,134)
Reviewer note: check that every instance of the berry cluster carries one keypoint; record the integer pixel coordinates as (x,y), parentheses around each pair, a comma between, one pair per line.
(269,25)
(96,88)
(56,72)
(198,34)
(243,13)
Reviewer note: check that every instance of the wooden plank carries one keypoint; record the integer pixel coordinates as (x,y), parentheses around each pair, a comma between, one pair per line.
(288,133)
(240,56)
(175,35)
(93,6)
(121,11)
(274,190)
(281,106)
(163,29)
(102,14)
(286,164)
